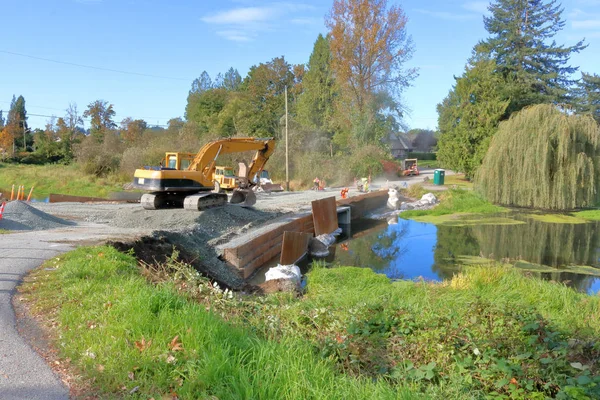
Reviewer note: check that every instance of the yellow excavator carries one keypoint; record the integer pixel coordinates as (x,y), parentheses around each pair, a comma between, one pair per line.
(188,180)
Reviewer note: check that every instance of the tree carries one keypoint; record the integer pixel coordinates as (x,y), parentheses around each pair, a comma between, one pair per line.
(525,52)
(543,158)
(132,130)
(204,108)
(369,47)
(232,79)
(587,95)
(316,103)
(202,84)
(101,114)
(264,90)
(469,115)
(422,139)
(1,120)
(17,119)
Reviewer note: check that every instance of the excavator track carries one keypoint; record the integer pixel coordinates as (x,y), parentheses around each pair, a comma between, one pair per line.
(202,201)
(160,201)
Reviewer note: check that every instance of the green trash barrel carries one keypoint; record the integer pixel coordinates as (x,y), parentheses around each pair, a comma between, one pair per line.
(438,176)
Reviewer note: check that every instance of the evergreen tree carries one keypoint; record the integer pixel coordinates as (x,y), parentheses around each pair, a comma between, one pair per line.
(232,79)
(17,115)
(523,47)
(469,115)
(316,103)
(201,84)
(587,95)
(1,120)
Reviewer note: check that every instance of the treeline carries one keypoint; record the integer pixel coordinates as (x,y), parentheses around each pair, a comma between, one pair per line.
(517,66)
(341,104)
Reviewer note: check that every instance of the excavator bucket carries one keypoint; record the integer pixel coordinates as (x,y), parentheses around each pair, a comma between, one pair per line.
(243,197)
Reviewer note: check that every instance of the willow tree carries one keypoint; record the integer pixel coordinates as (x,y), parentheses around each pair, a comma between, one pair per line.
(543,158)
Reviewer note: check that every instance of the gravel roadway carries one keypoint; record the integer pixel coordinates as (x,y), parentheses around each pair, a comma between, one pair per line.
(23,373)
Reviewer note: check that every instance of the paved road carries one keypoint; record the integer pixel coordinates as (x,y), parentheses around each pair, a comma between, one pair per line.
(24,375)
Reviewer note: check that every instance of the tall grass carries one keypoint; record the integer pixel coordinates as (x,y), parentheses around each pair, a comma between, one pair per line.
(63,179)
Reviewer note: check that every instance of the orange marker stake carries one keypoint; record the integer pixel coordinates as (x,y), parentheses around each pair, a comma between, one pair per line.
(12,193)
(30,192)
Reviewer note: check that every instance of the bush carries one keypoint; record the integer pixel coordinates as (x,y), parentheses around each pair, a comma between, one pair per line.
(100,159)
(543,158)
(423,156)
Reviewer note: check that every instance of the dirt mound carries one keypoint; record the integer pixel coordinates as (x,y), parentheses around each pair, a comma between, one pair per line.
(20,216)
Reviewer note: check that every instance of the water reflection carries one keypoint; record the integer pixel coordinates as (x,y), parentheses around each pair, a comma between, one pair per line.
(409,249)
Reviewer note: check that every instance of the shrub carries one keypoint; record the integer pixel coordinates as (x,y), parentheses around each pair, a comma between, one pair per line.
(423,156)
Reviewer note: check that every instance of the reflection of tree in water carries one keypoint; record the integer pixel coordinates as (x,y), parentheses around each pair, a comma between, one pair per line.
(452,241)
(374,250)
(551,244)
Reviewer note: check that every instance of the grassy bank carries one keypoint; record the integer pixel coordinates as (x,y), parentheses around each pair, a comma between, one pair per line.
(592,215)
(63,179)
(454,201)
(354,334)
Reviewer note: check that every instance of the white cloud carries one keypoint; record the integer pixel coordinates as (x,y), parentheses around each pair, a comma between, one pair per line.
(243,24)
(476,6)
(235,36)
(306,21)
(586,24)
(242,15)
(449,16)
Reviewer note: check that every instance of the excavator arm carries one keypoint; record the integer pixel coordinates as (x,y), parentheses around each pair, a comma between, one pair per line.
(206,159)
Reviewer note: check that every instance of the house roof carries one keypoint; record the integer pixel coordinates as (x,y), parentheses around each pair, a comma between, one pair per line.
(398,142)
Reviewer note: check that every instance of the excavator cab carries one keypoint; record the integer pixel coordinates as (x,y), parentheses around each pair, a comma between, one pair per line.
(177,161)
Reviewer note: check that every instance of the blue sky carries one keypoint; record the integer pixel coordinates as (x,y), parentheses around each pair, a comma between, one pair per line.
(174,41)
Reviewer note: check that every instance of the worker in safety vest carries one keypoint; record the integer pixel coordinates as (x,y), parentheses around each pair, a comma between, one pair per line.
(316,182)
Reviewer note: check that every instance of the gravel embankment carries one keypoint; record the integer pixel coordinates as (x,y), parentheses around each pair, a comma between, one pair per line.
(20,216)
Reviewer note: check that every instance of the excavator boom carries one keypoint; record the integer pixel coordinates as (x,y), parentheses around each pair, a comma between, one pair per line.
(206,158)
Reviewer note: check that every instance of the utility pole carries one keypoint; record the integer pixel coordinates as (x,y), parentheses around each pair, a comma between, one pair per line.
(287,165)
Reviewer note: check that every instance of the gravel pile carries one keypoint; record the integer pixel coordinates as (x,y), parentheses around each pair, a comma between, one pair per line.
(213,222)
(20,216)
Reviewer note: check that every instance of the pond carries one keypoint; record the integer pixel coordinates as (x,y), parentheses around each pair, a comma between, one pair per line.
(406,249)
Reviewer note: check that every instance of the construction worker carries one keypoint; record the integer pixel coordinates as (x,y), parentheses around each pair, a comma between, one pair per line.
(316,183)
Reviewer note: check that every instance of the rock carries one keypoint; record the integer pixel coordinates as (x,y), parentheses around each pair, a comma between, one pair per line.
(407,206)
(429,198)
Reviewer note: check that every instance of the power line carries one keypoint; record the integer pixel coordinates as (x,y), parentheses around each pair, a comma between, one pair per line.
(93,67)
(86,118)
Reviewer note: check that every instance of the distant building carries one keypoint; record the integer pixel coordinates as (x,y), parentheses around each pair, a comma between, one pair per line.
(400,146)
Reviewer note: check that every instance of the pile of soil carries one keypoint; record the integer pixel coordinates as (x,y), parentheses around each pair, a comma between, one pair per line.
(20,216)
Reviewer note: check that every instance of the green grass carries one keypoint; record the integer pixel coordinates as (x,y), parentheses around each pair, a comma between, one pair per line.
(354,334)
(593,215)
(5,232)
(120,331)
(60,179)
(456,201)
(428,164)
(458,180)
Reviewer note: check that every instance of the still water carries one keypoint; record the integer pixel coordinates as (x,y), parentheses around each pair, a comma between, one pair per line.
(405,249)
